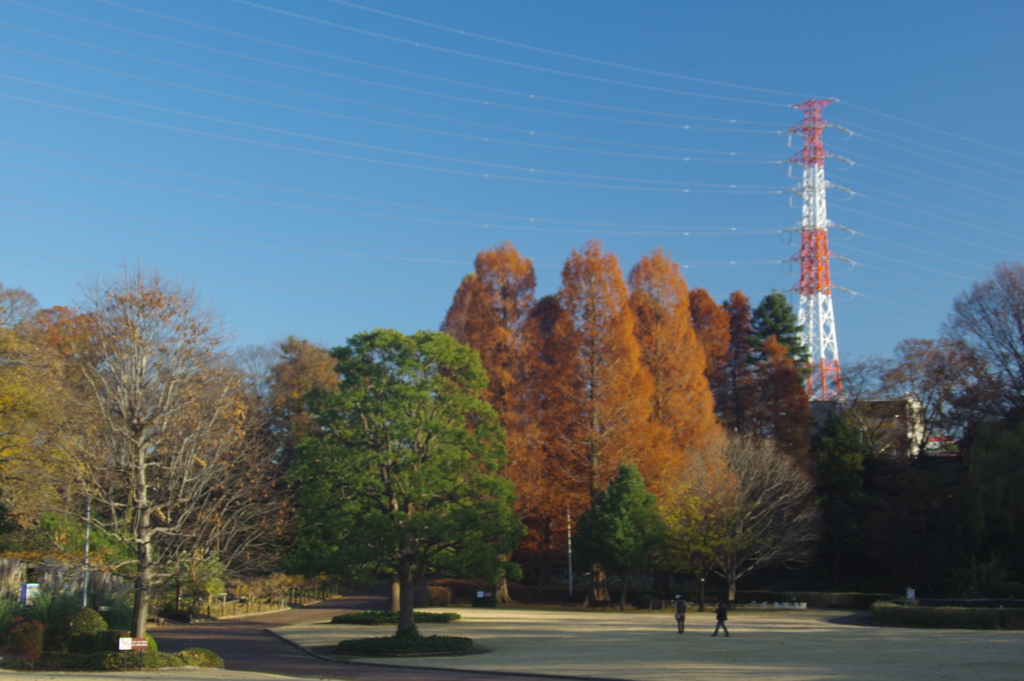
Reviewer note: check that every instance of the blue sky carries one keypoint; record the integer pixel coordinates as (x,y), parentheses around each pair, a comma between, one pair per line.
(320,168)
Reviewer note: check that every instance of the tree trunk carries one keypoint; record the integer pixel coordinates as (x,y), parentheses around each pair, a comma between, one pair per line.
(597,591)
(732,588)
(501,595)
(625,582)
(407,584)
(701,602)
(143,586)
(394,591)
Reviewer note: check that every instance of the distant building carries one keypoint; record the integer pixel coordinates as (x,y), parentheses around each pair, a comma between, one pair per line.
(893,428)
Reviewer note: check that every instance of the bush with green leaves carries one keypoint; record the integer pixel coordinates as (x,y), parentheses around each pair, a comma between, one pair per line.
(405,643)
(51,606)
(388,617)
(83,621)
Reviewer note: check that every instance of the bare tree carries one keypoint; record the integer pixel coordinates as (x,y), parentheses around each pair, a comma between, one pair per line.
(989,321)
(172,462)
(764,509)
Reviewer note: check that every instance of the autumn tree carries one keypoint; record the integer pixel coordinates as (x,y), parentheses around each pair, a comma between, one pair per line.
(300,368)
(733,385)
(547,486)
(33,406)
(609,393)
(682,407)
(780,409)
(403,470)
(490,314)
(711,325)
(170,460)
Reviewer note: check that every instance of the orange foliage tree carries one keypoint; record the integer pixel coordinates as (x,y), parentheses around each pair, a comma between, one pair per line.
(782,411)
(682,408)
(734,384)
(711,324)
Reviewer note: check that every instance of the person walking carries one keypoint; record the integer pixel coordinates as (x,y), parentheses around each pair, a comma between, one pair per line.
(680,614)
(722,614)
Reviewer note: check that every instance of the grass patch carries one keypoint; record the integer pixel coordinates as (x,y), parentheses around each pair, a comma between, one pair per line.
(388,617)
(894,615)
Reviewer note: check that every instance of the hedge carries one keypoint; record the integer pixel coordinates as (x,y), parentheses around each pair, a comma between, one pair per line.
(388,617)
(408,642)
(892,614)
(110,660)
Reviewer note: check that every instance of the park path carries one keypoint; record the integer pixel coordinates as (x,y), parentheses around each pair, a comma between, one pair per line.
(246,645)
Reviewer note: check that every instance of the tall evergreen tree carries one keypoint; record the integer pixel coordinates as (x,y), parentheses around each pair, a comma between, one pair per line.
(840,451)
(774,316)
(623,528)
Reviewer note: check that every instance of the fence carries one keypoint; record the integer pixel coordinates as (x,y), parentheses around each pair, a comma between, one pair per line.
(220,606)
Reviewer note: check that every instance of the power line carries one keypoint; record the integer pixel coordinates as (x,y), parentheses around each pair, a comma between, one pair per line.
(909,264)
(311,287)
(930,177)
(680,231)
(928,127)
(564,54)
(357,119)
(411,43)
(923,144)
(731,190)
(400,88)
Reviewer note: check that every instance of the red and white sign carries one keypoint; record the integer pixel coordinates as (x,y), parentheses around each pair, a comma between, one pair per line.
(127,643)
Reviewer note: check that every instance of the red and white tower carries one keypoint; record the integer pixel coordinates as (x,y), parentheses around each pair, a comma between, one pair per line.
(817,319)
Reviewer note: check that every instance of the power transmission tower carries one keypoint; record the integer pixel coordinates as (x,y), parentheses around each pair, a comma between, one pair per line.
(816,317)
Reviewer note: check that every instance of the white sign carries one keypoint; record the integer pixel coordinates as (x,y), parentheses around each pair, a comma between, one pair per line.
(124,643)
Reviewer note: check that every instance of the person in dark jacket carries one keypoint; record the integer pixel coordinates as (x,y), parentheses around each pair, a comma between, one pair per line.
(680,614)
(722,614)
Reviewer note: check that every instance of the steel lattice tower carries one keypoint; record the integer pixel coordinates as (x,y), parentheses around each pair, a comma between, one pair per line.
(817,319)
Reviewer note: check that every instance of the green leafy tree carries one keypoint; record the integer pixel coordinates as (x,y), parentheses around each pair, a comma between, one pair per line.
(840,451)
(402,474)
(774,316)
(623,528)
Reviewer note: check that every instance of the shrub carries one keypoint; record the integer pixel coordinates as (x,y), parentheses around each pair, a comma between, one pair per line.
(8,608)
(201,657)
(82,643)
(50,607)
(27,638)
(388,617)
(894,615)
(84,621)
(408,642)
(440,596)
(53,639)
(107,640)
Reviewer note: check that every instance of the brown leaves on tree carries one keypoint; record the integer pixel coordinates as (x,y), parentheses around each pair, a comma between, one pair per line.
(682,408)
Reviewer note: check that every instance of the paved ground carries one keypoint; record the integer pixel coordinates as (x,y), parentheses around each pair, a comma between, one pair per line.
(765,646)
